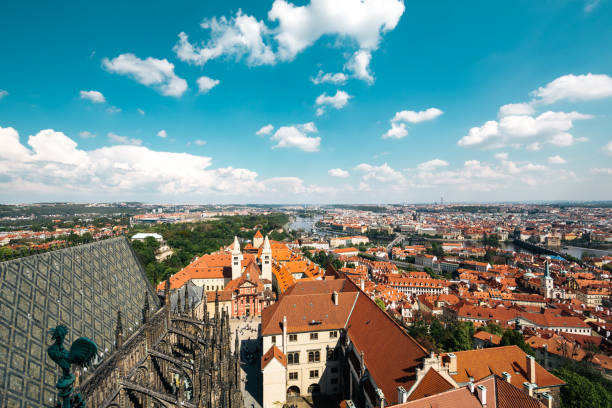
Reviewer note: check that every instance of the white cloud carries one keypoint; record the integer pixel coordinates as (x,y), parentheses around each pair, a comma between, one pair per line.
(295,28)
(123,140)
(383,173)
(513,109)
(548,127)
(140,111)
(113,109)
(294,185)
(416,117)
(338,173)
(574,88)
(359,66)
(200,142)
(556,160)
(265,130)
(432,164)
(237,36)
(360,20)
(55,165)
(397,131)
(162,133)
(153,72)
(3,93)
(338,101)
(398,123)
(608,148)
(86,135)
(607,171)
(297,136)
(92,96)
(591,5)
(329,78)
(205,84)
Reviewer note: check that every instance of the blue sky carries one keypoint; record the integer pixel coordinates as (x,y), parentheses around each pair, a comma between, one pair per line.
(287,102)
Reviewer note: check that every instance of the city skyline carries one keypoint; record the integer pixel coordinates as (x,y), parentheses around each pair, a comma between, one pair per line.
(311,102)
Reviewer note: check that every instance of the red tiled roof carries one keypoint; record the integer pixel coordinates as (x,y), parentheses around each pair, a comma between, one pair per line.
(432,383)
(390,354)
(273,353)
(481,363)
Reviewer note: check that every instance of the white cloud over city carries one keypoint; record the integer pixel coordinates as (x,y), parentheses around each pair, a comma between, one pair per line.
(291,29)
(156,73)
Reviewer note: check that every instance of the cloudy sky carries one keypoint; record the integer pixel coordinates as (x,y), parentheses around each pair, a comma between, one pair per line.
(359,101)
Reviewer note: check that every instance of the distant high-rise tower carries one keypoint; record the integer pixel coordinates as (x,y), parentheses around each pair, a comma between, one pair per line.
(266,260)
(236,259)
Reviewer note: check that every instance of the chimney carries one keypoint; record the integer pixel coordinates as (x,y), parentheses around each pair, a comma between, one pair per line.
(527,387)
(402,395)
(548,400)
(335,297)
(531,369)
(285,334)
(471,386)
(452,363)
(482,395)
(506,376)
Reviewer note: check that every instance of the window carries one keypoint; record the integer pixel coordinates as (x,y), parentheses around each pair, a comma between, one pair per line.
(273,339)
(293,375)
(293,358)
(314,336)
(334,381)
(334,370)
(333,334)
(293,337)
(332,354)
(314,373)
(314,356)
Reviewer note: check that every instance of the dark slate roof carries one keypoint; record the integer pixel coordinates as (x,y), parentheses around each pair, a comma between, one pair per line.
(81,287)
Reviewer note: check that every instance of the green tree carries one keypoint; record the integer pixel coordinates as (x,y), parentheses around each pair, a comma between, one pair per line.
(380,303)
(515,337)
(580,392)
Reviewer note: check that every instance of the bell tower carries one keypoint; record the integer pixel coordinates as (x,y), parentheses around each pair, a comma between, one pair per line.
(266,260)
(236,259)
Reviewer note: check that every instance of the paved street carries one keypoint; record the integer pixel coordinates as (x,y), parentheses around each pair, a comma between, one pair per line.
(250,354)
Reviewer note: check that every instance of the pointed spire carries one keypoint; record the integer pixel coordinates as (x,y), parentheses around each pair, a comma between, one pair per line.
(119,331)
(167,293)
(186,308)
(146,308)
(236,246)
(236,344)
(266,245)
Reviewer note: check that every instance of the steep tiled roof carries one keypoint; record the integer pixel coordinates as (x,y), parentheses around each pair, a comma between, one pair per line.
(302,310)
(509,396)
(500,394)
(481,363)
(432,383)
(390,354)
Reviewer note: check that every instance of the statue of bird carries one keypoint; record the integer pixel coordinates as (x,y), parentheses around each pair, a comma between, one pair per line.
(81,353)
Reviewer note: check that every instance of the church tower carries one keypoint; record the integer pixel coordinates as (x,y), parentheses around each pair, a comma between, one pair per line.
(266,260)
(547,281)
(236,259)
(258,239)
